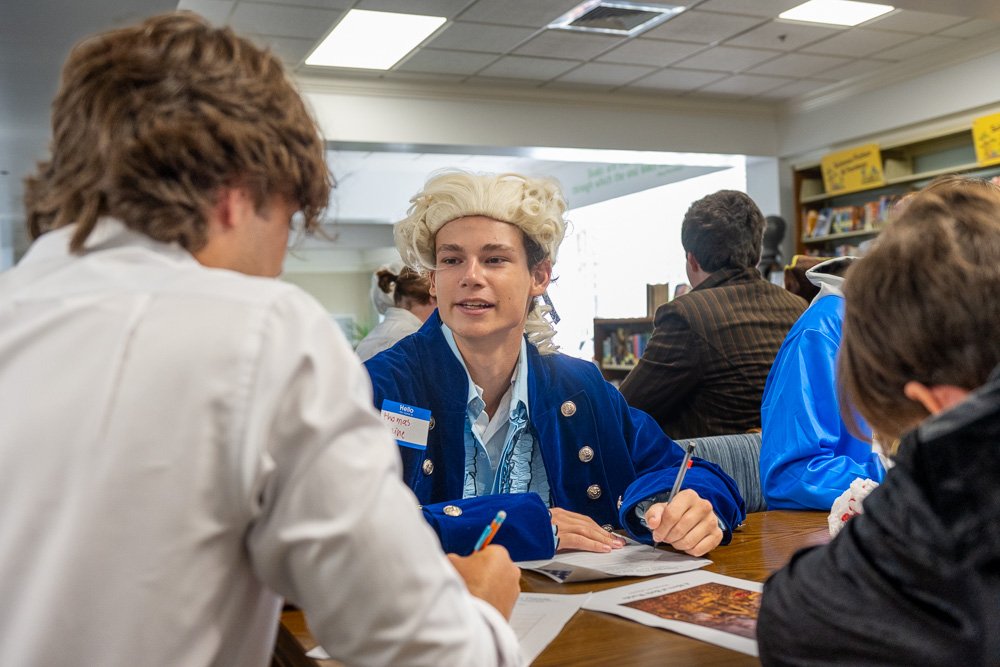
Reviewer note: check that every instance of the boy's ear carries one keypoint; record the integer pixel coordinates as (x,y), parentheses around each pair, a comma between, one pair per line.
(229,206)
(693,262)
(541,276)
(936,398)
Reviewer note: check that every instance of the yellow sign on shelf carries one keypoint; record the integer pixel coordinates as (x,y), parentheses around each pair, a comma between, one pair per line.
(855,169)
(986,136)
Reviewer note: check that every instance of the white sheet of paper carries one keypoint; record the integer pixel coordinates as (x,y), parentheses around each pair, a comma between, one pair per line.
(716,609)
(537,619)
(632,560)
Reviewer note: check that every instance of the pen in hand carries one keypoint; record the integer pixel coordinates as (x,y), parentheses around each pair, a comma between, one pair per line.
(685,464)
(489,532)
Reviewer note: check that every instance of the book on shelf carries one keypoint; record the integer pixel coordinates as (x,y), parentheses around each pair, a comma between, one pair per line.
(830,220)
(657,294)
(623,349)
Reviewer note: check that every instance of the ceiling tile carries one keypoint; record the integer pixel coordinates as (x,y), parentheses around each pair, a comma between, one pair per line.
(605,74)
(795,88)
(782,35)
(677,80)
(530,13)
(855,68)
(216,11)
(303,22)
(923,23)
(858,42)
(446,62)
(702,27)
(766,8)
(316,4)
(446,8)
(728,58)
(744,84)
(291,50)
(917,47)
(522,67)
(566,44)
(970,28)
(656,52)
(463,36)
(800,65)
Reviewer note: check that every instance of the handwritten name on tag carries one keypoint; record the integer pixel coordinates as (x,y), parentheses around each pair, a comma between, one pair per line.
(409,424)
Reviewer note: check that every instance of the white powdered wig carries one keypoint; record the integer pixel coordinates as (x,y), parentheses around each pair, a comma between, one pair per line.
(533,205)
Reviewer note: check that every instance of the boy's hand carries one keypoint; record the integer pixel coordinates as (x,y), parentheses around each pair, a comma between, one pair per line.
(491,576)
(577,531)
(687,523)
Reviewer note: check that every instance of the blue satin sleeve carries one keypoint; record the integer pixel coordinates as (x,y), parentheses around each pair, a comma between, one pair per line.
(808,457)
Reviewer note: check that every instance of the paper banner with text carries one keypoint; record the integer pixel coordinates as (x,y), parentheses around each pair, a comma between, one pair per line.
(986,137)
(857,168)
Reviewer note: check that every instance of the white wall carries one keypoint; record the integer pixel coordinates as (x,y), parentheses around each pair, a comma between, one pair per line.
(339,293)
(942,99)
(402,114)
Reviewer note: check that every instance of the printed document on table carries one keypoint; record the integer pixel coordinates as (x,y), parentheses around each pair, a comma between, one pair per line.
(632,560)
(537,620)
(711,607)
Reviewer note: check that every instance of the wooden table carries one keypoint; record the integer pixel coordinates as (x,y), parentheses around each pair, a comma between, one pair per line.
(765,543)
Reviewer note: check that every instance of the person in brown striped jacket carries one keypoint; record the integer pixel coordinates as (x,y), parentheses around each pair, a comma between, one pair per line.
(704,368)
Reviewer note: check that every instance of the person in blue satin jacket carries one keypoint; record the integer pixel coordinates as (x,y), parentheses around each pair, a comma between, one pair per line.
(512,424)
(808,457)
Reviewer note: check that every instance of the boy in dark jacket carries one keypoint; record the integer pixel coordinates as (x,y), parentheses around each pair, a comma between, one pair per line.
(915,580)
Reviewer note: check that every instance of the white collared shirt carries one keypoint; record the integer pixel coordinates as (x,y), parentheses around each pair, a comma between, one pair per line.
(501,454)
(181,448)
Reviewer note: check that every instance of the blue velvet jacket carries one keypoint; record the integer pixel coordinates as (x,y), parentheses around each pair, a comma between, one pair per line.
(601,456)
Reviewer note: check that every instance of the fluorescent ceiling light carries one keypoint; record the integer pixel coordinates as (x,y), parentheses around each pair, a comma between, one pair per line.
(836,12)
(373,40)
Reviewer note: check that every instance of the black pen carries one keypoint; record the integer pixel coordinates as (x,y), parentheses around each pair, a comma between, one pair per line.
(685,464)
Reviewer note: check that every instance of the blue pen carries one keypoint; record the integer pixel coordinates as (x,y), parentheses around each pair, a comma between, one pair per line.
(489,532)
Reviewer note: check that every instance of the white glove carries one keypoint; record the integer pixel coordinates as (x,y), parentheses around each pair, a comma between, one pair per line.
(849,504)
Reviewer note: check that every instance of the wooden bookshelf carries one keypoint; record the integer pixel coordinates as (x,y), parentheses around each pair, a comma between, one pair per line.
(906,167)
(616,350)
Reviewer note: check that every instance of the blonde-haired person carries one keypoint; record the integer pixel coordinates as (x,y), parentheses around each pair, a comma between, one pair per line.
(412,305)
(513,424)
(187,442)
(913,580)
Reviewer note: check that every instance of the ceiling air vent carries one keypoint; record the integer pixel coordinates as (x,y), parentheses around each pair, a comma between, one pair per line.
(615,18)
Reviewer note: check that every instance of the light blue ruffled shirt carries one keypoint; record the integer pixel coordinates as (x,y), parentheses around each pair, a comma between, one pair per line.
(498,459)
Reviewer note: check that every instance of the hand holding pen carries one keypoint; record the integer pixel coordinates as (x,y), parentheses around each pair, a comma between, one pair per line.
(488,571)
(686,521)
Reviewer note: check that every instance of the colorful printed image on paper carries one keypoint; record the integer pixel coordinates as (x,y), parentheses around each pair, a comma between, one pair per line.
(712,605)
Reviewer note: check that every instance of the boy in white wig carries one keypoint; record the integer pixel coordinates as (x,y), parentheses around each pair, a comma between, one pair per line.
(489,417)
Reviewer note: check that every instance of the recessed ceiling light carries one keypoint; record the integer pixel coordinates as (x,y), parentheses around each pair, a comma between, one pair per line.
(836,12)
(373,40)
(614,17)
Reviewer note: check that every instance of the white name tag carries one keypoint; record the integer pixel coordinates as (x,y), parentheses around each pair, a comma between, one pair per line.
(409,424)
